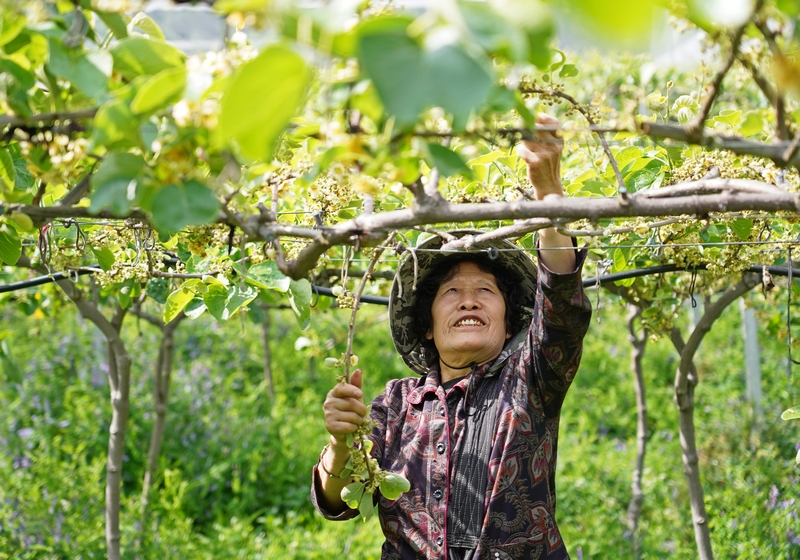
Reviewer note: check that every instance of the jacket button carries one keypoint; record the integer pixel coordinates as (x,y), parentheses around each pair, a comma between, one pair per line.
(439,541)
(440,448)
(437,494)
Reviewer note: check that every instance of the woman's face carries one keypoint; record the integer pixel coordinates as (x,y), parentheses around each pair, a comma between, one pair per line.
(469,317)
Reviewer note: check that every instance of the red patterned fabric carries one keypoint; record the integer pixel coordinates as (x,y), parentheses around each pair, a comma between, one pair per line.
(414,438)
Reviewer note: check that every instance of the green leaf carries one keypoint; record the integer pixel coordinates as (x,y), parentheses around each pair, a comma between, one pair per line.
(752,125)
(22,222)
(265,275)
(651,311)
(568,71)
(620,260)
(10,26)
(115,22)
(158,289)
(447,161)
(176,301)
(486,158)
(352,494)
(393,485)
(115,126)
(539,40)
(366,507)
(626,155)
(23,179)
(742,227)
(105,258)
(224,302)
(8,173)
(791,414)
(410,78)
(493,32)
(624,23)
(177,206)
(641,179)
(300,299)
(139,56)
(275,80)
(88,72)
(146,24)
(195,308)
(159,91)
(115,183)
(10,245)
(730,117)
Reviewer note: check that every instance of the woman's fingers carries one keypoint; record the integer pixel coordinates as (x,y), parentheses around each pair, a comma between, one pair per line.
(344,409)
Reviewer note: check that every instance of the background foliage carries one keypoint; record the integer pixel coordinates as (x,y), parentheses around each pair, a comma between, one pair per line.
(221,181)
(236,464)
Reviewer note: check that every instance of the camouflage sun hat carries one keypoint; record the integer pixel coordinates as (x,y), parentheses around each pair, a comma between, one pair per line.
(421,260)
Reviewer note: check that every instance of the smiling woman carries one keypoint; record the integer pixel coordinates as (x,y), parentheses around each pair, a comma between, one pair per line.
(469,326)
(481,300)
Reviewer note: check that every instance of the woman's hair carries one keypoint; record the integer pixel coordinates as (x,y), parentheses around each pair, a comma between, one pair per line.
(516,316)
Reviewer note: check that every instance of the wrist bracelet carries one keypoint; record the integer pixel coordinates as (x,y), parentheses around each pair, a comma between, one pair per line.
(321,463)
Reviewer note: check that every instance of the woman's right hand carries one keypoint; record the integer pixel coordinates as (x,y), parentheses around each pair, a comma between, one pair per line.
(344,410)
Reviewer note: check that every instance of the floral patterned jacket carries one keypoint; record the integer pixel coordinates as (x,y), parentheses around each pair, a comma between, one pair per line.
(417,436)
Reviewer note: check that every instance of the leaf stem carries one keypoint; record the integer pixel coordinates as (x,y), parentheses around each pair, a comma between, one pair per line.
(356,300)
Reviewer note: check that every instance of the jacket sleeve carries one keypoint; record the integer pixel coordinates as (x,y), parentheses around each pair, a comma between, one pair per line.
(560,320)
(378,415)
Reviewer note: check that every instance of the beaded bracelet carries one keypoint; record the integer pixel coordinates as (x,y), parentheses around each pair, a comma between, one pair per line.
(321,463)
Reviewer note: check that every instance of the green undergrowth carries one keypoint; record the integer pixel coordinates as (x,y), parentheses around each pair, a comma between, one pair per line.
(235,466)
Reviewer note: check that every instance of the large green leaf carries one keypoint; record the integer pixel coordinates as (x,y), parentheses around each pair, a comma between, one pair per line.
(159,91)
(158,289)
(11,24)
(447,161)
(115,22)
(742,227)
(410,77)
(352,493)
(139,56)
(10,245)
(265,275)
(115,183)
(177,300)
(393,485)
(300,300)
(176,206)
(625,23)
(115,126)
(262,97)
(105,258)
(88,72)
(223,302)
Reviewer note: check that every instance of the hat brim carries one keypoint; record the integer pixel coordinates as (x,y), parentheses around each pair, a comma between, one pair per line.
(403,310)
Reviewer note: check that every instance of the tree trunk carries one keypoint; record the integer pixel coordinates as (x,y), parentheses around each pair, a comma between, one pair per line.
(685,382)
(161,380)
(637,353)
(119,375)
(265,331)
